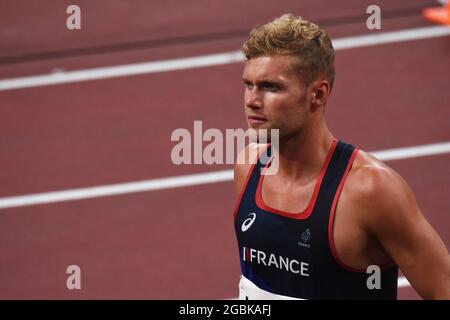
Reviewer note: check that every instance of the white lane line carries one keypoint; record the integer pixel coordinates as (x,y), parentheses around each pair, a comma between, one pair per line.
(116,189)
(207,60)
(121,71)
(391,37)
(188,180)
(412,152)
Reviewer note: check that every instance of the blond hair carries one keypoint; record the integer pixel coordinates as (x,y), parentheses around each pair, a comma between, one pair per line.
(293,36)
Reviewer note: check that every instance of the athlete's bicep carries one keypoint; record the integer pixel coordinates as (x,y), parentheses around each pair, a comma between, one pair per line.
(398,224)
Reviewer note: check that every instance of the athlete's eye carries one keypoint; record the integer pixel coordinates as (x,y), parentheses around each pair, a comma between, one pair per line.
(248,85)
(271,88)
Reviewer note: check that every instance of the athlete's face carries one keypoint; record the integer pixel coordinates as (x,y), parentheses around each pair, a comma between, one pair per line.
(275,97)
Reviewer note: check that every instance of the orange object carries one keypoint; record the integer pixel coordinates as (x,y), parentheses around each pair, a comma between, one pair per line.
(439,15)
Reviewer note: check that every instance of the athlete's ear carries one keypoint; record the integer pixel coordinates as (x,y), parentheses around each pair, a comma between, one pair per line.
(320,91)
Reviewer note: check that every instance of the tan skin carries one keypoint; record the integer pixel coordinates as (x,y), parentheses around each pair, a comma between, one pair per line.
(377,219)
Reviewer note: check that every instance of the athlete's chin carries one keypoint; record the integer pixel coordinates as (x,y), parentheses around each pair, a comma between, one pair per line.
(259,128)
(263,133)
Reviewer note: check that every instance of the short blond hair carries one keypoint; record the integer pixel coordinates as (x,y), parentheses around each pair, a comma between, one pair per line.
(293,36)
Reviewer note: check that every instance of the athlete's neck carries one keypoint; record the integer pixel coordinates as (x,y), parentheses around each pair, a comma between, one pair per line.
(302,155)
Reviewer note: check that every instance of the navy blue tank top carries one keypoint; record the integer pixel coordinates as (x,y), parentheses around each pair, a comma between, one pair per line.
(292,255)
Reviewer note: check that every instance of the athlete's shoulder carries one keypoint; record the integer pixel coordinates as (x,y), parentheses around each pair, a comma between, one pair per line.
(377,189)
(244,162)
(372,177)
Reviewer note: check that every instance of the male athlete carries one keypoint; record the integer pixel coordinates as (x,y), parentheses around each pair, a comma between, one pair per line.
(334,222)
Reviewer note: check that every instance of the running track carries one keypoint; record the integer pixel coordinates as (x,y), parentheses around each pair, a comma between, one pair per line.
(178,243)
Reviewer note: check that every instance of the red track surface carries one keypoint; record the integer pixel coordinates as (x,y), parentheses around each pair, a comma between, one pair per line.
(179,243)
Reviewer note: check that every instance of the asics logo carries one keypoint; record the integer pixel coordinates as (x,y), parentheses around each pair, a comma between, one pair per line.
(248,222)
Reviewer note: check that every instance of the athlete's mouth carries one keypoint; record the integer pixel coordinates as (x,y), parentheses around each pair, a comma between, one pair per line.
(254,119)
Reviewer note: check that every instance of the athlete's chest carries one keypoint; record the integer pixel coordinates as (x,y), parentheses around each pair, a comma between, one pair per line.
(288,198)
(354,245)
(346,231)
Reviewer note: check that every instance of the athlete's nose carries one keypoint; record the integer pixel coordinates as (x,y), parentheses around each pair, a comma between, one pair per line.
(253,98)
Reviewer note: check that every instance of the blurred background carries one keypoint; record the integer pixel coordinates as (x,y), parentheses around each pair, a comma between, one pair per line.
(86,116)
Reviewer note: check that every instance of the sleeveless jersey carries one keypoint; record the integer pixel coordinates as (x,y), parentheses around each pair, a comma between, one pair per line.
(292,255)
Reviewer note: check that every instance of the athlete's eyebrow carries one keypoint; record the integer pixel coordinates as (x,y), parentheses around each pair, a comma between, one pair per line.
(264,83)
(268,83)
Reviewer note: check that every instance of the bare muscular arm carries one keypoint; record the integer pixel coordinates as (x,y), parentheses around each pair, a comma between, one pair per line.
(393,217)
